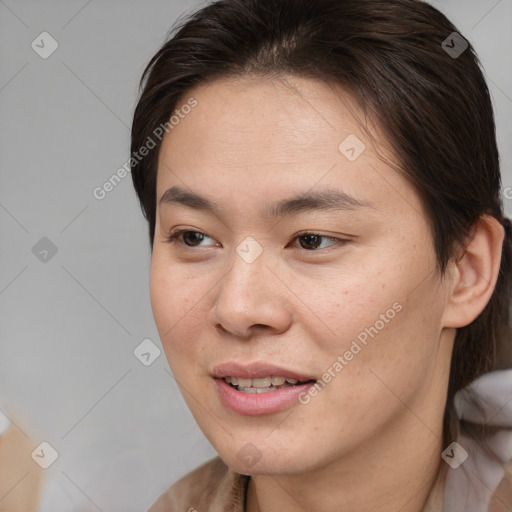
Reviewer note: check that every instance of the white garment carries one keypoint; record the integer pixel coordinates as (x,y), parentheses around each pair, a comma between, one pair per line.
(470,487)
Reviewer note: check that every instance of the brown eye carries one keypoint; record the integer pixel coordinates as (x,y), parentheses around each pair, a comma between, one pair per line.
(185,237)
(193,237)
(312,241)
(308,241)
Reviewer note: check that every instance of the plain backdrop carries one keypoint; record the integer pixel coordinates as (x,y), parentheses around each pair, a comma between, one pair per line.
(74,270)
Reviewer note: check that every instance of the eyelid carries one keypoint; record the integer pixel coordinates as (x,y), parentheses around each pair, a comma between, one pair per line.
(317,233)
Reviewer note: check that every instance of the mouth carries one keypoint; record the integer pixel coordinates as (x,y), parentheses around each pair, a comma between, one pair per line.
(263,384)
(258,388)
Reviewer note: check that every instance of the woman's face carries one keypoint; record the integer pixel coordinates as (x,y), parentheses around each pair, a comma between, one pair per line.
(277,276)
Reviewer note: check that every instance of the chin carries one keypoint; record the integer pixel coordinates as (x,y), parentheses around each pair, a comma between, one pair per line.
(250,460)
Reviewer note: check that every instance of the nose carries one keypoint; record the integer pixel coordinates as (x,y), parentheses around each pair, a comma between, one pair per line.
(251,298)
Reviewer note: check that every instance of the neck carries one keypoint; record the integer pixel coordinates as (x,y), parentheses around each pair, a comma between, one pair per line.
(394,472)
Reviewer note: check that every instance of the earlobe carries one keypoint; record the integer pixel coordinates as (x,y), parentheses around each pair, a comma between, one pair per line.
(475,273)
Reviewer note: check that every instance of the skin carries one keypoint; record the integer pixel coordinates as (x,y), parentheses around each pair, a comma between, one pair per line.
(372,438)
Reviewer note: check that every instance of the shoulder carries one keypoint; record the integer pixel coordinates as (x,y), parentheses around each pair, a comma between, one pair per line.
(211,483)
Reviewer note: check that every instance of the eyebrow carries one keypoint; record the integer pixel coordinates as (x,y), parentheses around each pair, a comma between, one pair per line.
(328,199)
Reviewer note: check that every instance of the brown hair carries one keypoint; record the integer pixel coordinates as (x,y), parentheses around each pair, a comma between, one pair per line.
(389,55)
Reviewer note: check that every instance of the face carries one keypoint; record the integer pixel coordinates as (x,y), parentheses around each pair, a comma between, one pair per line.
(305,257)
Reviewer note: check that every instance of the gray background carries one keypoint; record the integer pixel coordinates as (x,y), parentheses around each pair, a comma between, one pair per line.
(69,325)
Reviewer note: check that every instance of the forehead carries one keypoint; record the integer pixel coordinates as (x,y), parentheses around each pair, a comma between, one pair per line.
(249,139)
(241,114)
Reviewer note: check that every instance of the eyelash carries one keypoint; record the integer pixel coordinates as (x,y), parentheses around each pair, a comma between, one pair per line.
(172,238)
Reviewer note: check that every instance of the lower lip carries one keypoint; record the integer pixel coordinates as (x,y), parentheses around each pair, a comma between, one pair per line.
(256,404)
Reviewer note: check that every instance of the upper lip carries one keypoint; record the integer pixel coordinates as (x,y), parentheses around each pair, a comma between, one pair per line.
(257,371)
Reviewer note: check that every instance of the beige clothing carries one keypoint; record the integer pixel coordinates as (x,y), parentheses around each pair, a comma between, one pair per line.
(213,487)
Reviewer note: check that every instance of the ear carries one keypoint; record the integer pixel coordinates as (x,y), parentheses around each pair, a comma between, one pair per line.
(474,274)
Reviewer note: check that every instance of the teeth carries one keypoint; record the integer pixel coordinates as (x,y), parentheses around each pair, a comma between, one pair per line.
(245,383)
(256,390)
(263,383)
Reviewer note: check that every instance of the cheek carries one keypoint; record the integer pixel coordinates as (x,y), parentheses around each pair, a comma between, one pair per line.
(340,304)
(386,318)
(390,351)
(178,303)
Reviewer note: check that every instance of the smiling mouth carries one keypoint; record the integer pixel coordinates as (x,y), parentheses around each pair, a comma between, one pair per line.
(262,385)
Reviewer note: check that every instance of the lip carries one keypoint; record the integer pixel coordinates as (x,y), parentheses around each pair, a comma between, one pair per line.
(257,404)
(257,371)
